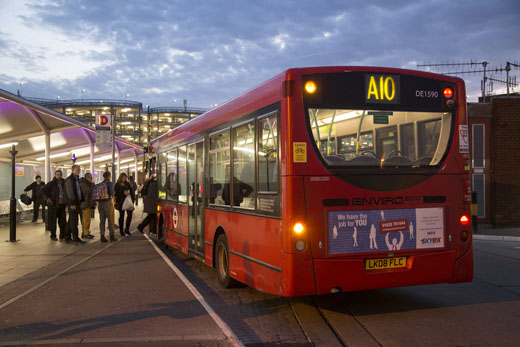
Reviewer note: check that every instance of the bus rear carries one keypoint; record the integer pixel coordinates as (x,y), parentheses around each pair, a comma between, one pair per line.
(377,191)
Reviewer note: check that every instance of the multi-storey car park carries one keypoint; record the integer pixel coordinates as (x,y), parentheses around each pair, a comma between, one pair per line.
(134,122)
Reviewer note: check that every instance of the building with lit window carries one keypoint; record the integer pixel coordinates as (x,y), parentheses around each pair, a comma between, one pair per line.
(133,122)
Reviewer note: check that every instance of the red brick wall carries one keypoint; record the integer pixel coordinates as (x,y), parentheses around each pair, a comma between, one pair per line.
(506,161)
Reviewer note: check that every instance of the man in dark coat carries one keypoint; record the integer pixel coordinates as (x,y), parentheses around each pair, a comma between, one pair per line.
(87,205)
(150,193)
(54,194)
(37,196)
(74,197)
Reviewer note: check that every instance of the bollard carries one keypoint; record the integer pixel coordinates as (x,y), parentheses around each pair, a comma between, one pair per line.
(474,212)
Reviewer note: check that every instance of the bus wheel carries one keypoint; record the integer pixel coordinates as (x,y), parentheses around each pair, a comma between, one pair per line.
(222,263)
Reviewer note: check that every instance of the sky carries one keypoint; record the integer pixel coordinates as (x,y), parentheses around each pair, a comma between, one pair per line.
(163,51)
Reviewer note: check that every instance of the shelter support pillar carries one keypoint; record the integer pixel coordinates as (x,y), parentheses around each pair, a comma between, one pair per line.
(136,171)
(118,161)
(48,176)
(113,130)
(92,145)
(12,211)
(92,151)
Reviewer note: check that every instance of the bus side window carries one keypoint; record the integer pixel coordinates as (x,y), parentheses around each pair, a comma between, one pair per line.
(162,175)
(172,185)
(219,161)
(182,177)
(268,154)
(243,167)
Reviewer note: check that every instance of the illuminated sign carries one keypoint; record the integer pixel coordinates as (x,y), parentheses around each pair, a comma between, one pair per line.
(382,89)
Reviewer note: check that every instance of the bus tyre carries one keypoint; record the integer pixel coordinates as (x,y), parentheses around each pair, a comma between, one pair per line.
(222,263)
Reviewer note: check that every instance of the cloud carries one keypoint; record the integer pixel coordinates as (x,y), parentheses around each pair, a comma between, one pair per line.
(211,51)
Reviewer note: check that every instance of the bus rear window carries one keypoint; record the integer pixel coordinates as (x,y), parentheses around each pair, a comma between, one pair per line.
(380,138)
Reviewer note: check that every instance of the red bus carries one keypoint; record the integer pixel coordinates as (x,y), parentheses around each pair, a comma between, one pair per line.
(324,179)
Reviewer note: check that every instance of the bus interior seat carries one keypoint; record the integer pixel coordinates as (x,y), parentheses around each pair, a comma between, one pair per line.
(423,161)
(335,159)
(398,161)
(363,160)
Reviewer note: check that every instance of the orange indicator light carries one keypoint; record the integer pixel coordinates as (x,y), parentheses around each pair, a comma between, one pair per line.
(310,87)
(298,228)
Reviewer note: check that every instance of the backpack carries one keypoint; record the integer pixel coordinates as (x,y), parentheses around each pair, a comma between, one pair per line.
(100,192)
(144,190)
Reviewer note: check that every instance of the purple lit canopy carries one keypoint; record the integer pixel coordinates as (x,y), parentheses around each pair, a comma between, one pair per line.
(26,123)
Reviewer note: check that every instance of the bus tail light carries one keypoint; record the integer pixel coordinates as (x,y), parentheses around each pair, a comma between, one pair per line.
(448,93)
(464,219)
(464,243)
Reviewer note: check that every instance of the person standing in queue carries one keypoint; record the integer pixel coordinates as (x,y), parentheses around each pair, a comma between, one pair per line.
(122,190)
(74,197)
(105,209)
(54,194)
(86,206)
(133,183)
(150,194)
(37,197)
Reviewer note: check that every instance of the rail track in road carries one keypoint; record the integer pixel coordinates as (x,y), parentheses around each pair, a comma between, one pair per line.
(256,317)
(327,321)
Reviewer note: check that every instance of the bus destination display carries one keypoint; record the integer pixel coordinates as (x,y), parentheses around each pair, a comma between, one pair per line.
(382,89)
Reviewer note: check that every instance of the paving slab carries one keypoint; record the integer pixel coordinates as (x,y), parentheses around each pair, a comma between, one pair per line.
(124,294)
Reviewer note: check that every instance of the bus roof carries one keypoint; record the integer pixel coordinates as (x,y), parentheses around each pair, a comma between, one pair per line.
(263,95)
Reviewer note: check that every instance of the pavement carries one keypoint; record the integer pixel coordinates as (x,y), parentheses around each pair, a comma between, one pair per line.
(488,232)
(34,250)
(114,293)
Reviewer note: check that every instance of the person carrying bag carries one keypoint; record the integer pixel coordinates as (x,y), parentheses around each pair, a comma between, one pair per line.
(123,191)
(128,205)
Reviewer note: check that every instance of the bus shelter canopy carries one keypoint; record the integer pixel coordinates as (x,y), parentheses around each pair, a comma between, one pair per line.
(27,125)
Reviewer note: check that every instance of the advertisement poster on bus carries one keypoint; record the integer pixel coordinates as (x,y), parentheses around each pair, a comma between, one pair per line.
(385,230)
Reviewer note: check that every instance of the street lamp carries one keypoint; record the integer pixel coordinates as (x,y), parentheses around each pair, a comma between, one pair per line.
(20,90)
(82,91)
(126,96)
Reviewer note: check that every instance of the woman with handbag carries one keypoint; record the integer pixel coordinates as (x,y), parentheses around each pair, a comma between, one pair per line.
(125,197)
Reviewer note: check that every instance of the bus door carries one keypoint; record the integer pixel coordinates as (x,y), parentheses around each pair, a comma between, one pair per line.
(195,201)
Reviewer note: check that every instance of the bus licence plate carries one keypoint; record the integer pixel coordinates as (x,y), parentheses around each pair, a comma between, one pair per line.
(385,263)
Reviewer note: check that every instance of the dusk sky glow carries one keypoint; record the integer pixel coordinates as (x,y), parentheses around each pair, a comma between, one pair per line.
(210,51)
